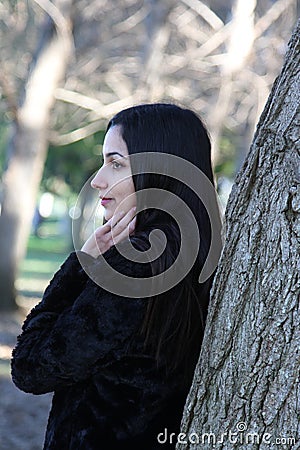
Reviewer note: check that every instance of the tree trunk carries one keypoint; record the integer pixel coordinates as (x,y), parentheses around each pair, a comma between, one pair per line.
(245,393)
(27,150)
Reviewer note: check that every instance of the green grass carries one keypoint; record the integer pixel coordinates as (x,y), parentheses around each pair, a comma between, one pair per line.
(44,257)
(4,368)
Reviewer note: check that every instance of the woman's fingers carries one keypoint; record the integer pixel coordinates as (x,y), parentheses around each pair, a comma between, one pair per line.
(124,226)
(104,232)
(113,231)
(125,233)
(121,220)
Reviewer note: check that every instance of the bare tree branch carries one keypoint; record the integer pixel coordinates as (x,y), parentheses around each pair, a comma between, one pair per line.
(204,11)
(271,15)
(132,21)
(75,135)
(63,26)
(79,99)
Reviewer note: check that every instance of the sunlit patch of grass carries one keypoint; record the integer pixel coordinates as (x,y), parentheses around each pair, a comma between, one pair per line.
(4,368)
(5,352)
(31,287)
(36,266)
(44,257)
(5,357)
(51,244)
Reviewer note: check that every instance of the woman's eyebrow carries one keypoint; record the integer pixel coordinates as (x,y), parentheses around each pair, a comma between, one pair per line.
(113,153)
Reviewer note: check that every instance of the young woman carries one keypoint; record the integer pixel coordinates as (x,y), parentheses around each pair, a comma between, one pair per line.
(120,356)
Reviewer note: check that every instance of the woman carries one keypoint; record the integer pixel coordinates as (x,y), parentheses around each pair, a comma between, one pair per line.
(121,365)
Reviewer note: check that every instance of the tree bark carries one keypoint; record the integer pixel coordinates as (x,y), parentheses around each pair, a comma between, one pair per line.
(245,392)
(27,149)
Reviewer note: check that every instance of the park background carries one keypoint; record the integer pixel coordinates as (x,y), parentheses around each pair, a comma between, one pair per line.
(66,68)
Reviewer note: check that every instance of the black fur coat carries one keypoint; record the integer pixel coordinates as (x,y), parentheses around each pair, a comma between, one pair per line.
(75,343)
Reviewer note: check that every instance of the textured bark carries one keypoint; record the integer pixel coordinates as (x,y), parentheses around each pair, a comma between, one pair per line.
(27,151)
(247,378)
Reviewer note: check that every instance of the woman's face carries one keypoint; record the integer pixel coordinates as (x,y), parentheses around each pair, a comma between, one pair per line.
(114,178)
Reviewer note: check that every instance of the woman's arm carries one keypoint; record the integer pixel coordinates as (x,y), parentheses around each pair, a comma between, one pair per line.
(66,284)
(63,289)
(57,349)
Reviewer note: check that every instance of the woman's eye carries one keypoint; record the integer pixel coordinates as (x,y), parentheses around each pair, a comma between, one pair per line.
(116,165)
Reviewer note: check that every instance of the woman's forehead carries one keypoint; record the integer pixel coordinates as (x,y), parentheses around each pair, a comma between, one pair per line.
(114,142)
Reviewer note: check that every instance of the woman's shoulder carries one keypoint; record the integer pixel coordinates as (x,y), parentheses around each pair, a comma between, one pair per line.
(116,275)
(128,257)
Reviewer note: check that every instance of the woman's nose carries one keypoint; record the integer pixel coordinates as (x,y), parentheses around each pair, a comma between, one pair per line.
(99,182)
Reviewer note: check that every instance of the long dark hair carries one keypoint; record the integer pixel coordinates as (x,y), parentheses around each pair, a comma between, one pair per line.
(174,322)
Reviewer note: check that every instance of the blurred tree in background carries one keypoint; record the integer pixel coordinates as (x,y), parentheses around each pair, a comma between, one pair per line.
(28,143)
(69,65)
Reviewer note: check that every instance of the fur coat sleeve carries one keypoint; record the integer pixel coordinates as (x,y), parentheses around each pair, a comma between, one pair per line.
(76,328)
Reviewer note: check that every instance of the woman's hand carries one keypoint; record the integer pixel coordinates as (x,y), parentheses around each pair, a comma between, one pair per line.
(112,232)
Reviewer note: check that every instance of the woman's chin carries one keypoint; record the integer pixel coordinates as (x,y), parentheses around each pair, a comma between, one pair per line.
(108,214)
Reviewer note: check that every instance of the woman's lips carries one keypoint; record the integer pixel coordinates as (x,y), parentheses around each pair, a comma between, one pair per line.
(105,200)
